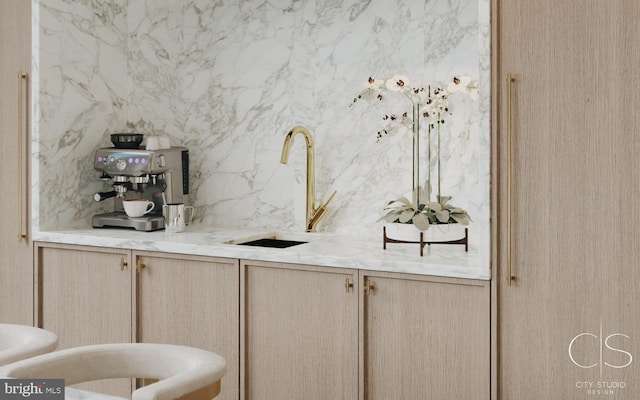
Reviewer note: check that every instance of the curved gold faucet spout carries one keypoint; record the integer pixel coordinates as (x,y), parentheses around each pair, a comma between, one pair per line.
(286,147)
(313,217)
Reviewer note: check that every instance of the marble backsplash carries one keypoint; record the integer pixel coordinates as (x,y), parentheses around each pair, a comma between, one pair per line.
(228,79)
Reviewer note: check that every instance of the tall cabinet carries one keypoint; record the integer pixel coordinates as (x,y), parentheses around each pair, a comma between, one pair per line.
(566,189)
(16,260)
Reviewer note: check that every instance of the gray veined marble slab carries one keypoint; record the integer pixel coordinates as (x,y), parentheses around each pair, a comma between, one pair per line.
(229,79)
(330,250)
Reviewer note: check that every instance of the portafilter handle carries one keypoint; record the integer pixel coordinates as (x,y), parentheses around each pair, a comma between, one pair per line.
(104,195)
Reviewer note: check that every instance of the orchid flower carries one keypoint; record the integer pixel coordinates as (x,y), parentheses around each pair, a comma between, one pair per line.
(374,84)
(397,83)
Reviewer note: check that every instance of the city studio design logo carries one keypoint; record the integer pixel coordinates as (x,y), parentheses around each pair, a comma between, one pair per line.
(603,348)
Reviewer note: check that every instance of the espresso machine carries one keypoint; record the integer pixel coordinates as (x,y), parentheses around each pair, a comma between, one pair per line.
(159,175)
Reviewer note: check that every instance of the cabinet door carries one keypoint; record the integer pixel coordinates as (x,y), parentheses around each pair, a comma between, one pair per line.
(300,332)
(85,298)
(568,324)
(424,338)
(191,301)
(16,259)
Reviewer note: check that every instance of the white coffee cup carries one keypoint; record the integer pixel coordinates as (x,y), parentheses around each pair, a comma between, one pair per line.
(137,207)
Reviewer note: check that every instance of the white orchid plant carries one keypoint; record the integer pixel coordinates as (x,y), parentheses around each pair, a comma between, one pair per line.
(434,100)
(434,105)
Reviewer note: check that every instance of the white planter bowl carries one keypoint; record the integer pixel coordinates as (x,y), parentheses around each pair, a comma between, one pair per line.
(435,233)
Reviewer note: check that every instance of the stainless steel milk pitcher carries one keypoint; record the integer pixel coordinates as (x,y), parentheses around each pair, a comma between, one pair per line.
(175,219)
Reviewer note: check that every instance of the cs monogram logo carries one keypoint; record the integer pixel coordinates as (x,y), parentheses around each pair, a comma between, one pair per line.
(602,347)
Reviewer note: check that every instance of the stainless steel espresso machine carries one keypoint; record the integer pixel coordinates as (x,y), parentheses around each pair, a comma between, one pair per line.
(161,176)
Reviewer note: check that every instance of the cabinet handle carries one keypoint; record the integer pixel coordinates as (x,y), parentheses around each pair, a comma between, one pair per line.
(368,287)
(139,265)
(348,285)
(21,80)
(510,276)
(123,264)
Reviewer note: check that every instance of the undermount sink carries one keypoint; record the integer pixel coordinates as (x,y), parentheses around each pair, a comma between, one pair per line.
(274,243)
(271,239)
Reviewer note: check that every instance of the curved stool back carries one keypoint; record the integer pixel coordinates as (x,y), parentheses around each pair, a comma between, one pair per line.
(180,371)
(18,342)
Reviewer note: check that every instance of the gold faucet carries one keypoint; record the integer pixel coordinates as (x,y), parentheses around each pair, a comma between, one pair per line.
(313,214)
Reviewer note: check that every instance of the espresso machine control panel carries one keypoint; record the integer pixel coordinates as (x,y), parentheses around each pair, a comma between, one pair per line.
(129,162)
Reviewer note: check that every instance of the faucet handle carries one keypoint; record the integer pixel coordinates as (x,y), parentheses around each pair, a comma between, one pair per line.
(319,213)
(330,198)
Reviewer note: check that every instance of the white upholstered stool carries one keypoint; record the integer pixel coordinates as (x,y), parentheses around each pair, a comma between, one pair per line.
(18,342)
(180,371)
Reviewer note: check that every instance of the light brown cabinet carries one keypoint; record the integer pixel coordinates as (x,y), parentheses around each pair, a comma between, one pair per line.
(85,295)
(85,298)
(286,330)
(16,257)
(299,332)
(191,301)
(424,337)
(566,199)
(312,332)
(91,295)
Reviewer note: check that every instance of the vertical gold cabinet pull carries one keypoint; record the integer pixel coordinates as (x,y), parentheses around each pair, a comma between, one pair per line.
(368,287)
(123,264)
(21,81)
(139,265)
(348,285)
(510,276)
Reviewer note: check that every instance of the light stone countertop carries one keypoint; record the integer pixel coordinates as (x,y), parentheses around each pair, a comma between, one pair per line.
(79,394)
(323,249)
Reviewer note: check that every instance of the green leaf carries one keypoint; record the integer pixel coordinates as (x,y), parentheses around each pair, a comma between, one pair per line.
(404,201)
(426,213)
(461,219)
(421,222)
(390,217)
(406,216)
(442,216)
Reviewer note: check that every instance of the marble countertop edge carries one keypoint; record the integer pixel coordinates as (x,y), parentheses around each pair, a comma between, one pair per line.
(322,249)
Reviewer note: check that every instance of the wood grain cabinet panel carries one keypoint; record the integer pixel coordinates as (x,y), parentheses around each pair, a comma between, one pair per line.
(100,295)
(568,220)
(424,338)
(191,301)
(85,298)
(286,331)
(16,257)
(300,336)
